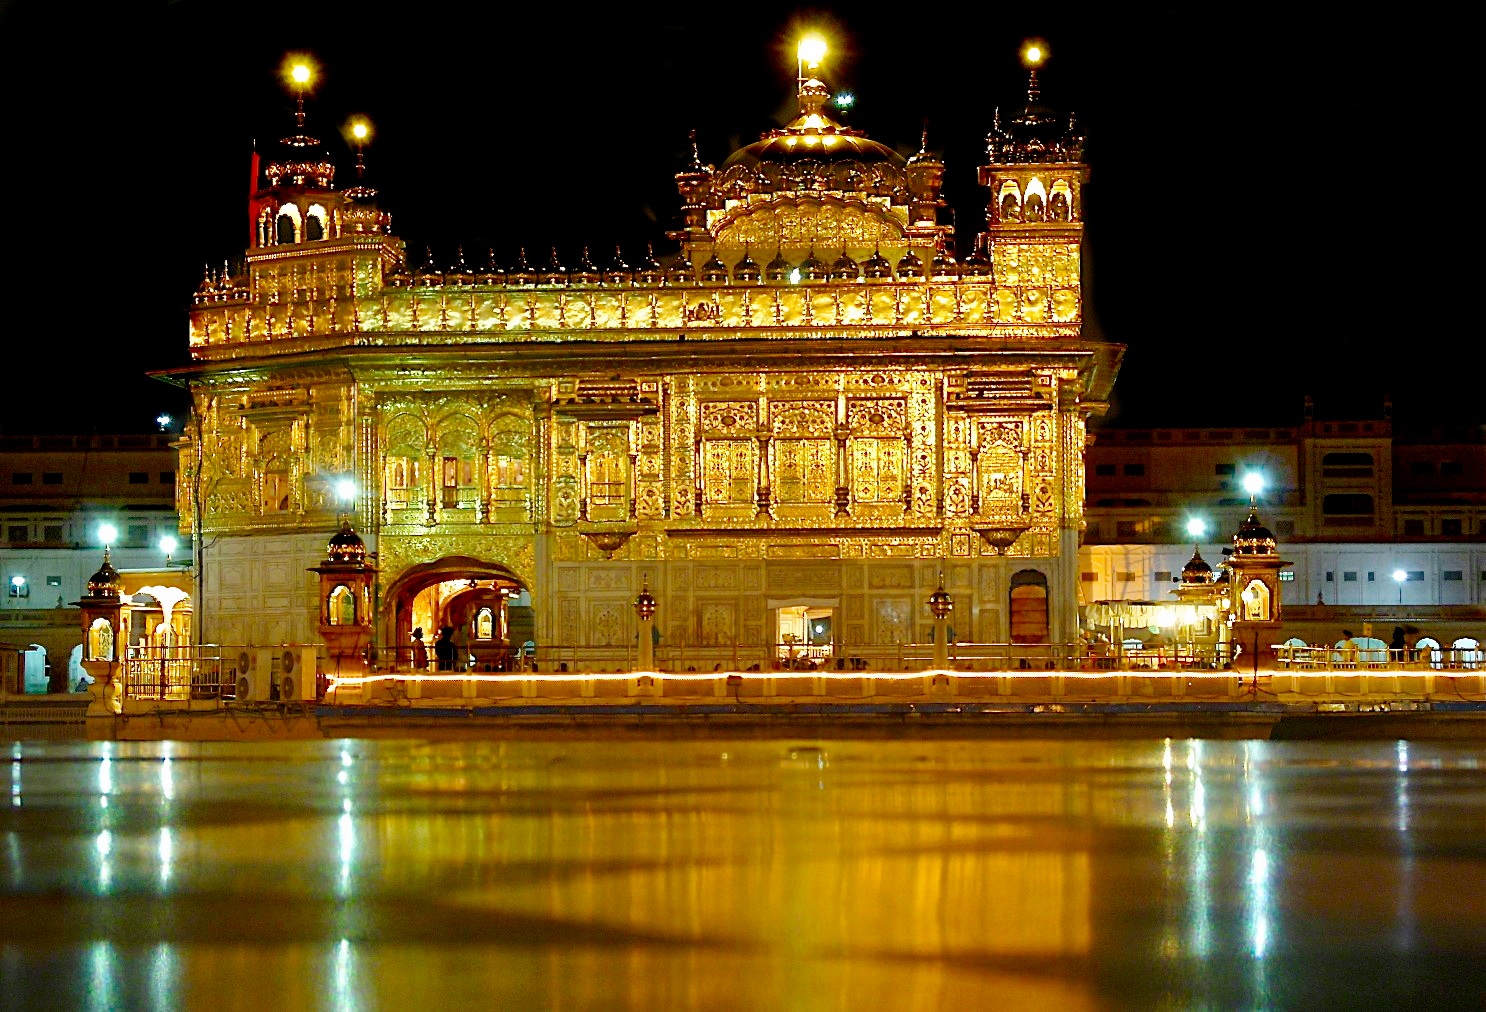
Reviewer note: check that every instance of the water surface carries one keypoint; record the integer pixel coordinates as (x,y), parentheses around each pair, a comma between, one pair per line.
(751,874)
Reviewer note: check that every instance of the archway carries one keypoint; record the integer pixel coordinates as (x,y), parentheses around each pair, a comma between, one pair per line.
(481,609)
(1028,607)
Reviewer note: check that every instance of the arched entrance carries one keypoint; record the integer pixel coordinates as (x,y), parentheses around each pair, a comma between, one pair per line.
(1028,607)
(482,609)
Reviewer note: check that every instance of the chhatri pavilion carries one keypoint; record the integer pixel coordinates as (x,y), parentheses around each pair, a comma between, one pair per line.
(790,431)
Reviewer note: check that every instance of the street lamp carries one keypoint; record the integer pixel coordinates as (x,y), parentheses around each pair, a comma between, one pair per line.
(18,586)
(107,535)
(1399,576)
(1253,484)
(164,422)
(168,545)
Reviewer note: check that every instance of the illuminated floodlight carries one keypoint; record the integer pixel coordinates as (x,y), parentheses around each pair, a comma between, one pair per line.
(17,582)
(107,534)
(1196,527)
(794,276)
(168,544)
(1034,53)
(1253,483)
(345,490)
(811,50)
(845,100)
(360,130)
(1400,576)
(300,73)
(163,421)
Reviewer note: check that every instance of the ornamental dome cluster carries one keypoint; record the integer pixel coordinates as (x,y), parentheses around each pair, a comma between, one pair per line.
(106,582)
(346,547)
(1253,538)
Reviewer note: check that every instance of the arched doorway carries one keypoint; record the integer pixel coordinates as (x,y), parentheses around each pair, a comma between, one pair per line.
(481,609)
(1028,607)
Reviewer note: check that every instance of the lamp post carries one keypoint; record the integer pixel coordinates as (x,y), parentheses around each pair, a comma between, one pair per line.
(168,545)
(18,588)
(940,606)
(1400,577)
(645,612)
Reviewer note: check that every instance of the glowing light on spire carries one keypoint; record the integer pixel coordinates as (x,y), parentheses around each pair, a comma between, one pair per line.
(1034,53)
(1197,527)
(811,50)
(1253,483)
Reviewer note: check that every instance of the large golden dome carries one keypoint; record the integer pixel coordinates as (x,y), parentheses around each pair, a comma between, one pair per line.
(814,136)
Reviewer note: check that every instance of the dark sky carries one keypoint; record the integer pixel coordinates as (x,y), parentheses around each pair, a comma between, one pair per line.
(1260,221)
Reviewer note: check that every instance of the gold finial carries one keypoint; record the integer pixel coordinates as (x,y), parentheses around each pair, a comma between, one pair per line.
(299,71)
(1034,55)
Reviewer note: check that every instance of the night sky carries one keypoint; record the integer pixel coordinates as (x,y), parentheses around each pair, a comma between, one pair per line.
(1260,223)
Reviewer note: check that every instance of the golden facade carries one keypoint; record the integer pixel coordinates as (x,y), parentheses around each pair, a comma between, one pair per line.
(813,406)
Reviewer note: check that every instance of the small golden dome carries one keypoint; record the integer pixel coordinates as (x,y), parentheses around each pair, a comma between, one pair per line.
(429,274)
(556,273)
(1197,570)
(523,274)
(681,271)
(619,274)
(941,603)
(714,271)
(812,269)
(746,270)
(910,268)
(460,273)
(105,582)
(779,268)
(585,273)
(492,274)
(650,271)
(876,266)
(346,546)
(845,268)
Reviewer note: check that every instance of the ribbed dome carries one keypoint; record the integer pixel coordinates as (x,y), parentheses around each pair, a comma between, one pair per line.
(714,271)
(779,268)
(845,268)
(619,274)
(1253,538)
(746,269)
(346,546)
(813,135)
(877,266)
(910,267)
(105,582)
(1197,570)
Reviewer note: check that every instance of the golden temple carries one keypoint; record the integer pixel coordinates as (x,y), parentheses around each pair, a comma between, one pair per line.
(791,431)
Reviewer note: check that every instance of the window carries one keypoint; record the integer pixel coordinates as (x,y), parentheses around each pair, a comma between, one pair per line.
(1094,577)
(1349,577)
(1372,577)
(1416,576)
(1450,528)
(1451,467)
(167,477)
(1284,527)
(1223,469)
(139,477)
(1124,528)
(1104,470)
(1421,467)
(1413,528)
(1287,576)
(54,581)
(51,477)
(1125,577)
(1330,577)
(17,534)
(137,534)
(1453,575)
(1163,576)
(21,478)
(52,533)
(1347,504)
(1134,470)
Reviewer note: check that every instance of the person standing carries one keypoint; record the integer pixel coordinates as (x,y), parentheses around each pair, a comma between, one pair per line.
(462,644)
(420,651)
(443,649)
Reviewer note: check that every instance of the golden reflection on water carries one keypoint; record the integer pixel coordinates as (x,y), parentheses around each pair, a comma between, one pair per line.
(665,874)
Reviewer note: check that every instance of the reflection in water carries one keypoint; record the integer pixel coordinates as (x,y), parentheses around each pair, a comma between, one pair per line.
(639,874)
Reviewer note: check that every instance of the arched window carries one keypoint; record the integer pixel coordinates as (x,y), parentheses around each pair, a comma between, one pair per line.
(484,624)
(1347,465)
(1255,598)
(289,225)
(1028,607)
(1011,202)
(1034,201)
(101,640)
(341,607)
(265,227)
(1060,202)
(314,223)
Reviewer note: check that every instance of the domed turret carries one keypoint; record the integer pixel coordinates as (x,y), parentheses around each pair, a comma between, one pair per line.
(845,268)
(877,267)
(429,274)
(459,273)
(943,267)
(556,273)
(618,274)
(345,547)
(681,271)
(815,137)
(910,268)
(813,269)
(1197,571)
(1036,133)
(1253,538)
(523,274)
(492,274)
(585,273)
(745,271)
(714,271)
(650,271)
(779,268)
(105,583)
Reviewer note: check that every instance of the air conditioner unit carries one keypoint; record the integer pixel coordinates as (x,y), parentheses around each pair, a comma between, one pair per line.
(251,676)
(297,674)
